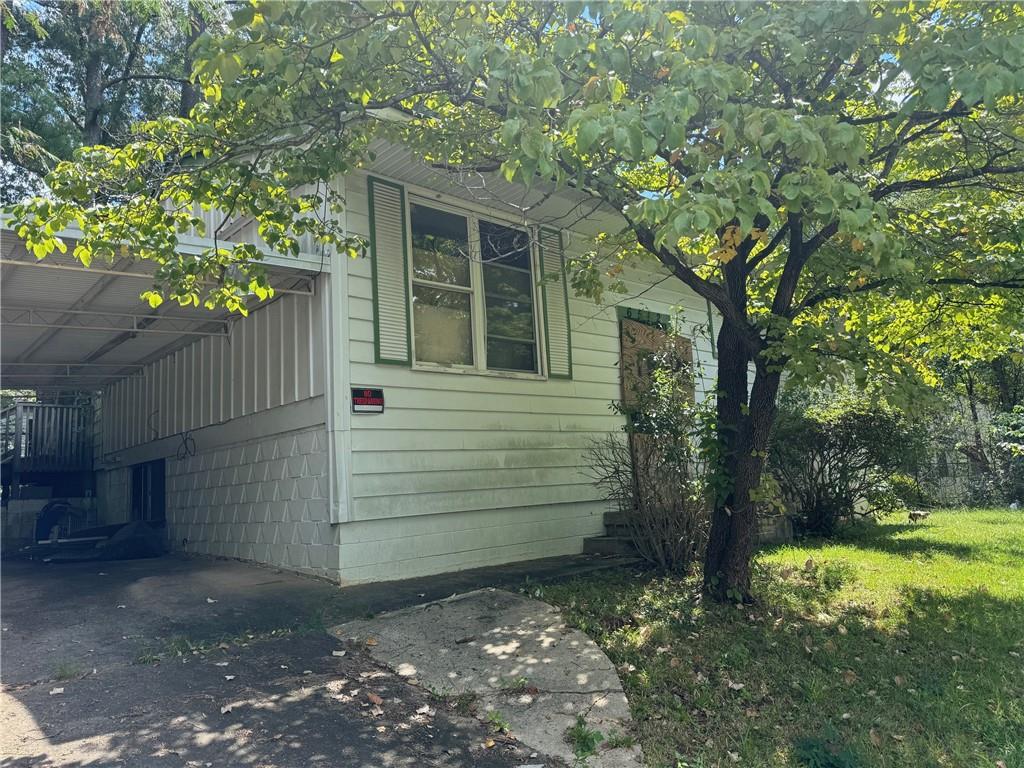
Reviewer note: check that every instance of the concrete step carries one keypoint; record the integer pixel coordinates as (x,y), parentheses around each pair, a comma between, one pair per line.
(616,524)
(609,545)
(615,517)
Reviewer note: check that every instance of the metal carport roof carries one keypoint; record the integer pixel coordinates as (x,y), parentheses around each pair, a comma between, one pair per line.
(65,326)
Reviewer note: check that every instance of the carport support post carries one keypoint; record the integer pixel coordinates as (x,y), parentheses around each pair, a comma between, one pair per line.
(336,388)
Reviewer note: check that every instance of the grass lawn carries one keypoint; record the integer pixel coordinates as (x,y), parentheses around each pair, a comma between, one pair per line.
(896,645)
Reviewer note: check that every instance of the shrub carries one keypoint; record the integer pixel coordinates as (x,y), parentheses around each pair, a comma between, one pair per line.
(834,454)
(658,473)
(908,490)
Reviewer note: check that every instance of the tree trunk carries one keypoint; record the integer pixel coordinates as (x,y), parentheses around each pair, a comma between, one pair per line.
(196,26)
(977,453)
(92,83)
(744,427)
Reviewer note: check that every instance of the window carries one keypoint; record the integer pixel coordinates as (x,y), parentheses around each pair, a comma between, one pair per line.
(472,296)
(508,298)
(442,294)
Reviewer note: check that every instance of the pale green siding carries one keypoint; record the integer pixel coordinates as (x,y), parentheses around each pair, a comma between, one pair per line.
(463,470)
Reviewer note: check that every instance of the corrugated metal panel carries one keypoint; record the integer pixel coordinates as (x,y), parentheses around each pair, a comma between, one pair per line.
(272,358)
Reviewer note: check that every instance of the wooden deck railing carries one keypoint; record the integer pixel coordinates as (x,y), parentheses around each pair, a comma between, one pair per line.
(38,437)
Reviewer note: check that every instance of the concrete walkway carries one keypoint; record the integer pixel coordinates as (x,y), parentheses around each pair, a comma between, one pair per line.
(516,658)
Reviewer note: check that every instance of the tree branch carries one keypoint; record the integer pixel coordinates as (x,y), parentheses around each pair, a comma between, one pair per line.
(795,261)
(703,288)
(839,291)
(911,185)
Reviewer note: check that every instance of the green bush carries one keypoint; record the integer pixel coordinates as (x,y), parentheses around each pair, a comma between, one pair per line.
(659,473)
(835,455)
(908,490)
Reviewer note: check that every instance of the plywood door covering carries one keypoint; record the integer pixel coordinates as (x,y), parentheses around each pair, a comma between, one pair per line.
(639,343)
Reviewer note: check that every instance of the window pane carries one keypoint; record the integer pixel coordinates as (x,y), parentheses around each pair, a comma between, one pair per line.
(444,328)
(511,319)
(511,355)
(440,246)
(504,245)
(510,283)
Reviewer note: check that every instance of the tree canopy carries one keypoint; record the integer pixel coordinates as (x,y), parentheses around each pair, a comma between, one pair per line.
(81,73)
(843,182)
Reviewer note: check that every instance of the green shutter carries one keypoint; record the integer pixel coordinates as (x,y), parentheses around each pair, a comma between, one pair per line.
(558,333)
(388,251)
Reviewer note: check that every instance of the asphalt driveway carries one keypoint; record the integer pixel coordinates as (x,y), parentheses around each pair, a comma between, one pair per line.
(196,662)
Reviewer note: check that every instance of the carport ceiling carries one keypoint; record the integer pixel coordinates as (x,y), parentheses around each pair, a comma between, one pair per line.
(63,326)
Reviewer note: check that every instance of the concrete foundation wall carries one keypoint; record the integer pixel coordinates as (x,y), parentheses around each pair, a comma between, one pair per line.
(262,499)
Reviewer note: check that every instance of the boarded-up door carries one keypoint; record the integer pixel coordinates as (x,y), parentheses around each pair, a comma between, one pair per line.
(644,349)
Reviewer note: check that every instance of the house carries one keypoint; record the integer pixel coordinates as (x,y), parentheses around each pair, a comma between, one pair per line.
(403,414)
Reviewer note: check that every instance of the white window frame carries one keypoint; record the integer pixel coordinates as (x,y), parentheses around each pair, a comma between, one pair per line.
(478,301)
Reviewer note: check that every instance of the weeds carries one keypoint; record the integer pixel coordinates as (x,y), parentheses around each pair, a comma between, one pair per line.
(67,671)
(498,721)
(513,685)
(583,739)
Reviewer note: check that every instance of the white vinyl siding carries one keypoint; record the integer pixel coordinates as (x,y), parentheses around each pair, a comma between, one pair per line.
(482,467)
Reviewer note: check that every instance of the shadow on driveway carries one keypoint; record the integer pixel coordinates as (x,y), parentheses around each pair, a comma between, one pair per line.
(196,662)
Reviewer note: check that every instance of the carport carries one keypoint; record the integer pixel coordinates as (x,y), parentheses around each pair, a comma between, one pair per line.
(68,327)
(101,376)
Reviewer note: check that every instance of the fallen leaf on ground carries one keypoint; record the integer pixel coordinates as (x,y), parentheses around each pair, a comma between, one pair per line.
(371,641)
(849,677)
(733,756)
(376,711)
(489,743)
(875,738)
(425,710)
(736,686)
(374,698)
(899,680)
